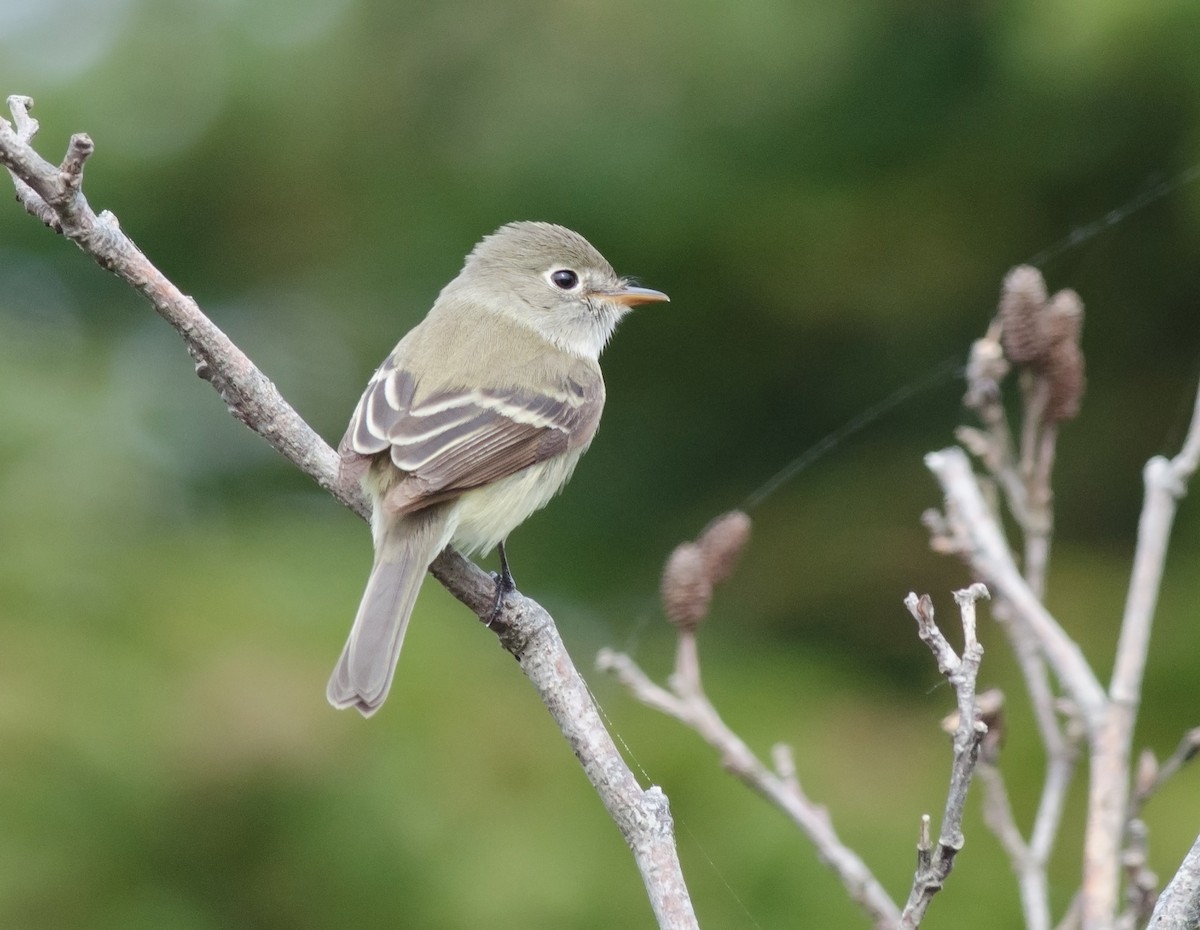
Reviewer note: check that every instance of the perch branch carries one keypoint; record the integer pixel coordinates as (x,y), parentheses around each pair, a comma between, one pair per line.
(528,632)
(54,195)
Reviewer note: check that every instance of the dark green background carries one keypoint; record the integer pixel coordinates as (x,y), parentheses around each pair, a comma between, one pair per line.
(830,193)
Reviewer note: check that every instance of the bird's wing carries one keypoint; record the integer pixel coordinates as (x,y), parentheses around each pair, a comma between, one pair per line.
(453,440)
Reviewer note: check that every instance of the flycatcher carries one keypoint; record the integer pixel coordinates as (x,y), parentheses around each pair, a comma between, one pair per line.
(475,421)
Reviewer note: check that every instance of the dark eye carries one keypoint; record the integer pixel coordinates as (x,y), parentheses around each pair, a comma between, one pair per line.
(564,278)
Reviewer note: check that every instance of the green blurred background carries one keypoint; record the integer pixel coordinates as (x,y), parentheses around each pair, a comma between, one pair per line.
(830,193)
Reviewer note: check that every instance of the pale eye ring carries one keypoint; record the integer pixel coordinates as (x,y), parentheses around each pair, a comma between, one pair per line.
(564,279)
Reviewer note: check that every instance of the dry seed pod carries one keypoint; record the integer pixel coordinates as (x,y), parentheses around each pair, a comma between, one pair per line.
(1065,380)
(1063,319)
(1022,298)
(686,589)
(722,543)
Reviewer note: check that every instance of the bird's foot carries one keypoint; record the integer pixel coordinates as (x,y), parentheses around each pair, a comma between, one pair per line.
(505,585)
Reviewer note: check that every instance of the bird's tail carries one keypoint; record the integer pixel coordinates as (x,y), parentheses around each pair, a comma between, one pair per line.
(403,551)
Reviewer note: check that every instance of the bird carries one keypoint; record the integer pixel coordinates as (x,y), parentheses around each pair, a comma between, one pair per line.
(475,420)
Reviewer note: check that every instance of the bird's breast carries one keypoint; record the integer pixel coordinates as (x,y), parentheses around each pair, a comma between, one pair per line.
(488,514)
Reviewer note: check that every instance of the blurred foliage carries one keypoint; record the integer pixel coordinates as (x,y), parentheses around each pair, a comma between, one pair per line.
(830,193)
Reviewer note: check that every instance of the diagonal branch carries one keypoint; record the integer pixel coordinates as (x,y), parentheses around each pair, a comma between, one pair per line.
(989,555)
(54,192)
(1152,775)
(54,195)
(1179,904)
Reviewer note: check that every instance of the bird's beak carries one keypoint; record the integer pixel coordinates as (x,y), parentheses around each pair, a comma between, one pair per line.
(631,296)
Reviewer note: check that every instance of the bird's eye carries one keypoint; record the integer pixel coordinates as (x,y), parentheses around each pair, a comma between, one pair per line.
(564,278)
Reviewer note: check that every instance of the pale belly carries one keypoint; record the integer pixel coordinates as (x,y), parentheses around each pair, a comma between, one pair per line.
(485,516)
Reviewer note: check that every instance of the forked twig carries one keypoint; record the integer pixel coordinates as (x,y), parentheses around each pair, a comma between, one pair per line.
(934,861)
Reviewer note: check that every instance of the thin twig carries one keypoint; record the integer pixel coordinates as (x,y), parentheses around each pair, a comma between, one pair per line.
(998,813)
(1061,743)
(686,701)
(1147,787)
(935,862)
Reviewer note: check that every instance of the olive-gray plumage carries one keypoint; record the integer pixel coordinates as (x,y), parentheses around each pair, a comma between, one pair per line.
(475,420)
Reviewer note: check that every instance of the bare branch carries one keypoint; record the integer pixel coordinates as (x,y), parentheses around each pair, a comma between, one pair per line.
(686,701)
(1178,906)
(247,392)
(15,145)
(1070,920)
(79,151)
(998,813)
(1062,745)
(1029,859)
(935,862)
(1040,335)
(982,542)
(54,195)
(643,817)
(1165,485)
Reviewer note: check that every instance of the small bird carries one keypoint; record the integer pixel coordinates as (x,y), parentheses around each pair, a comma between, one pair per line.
(476,420)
